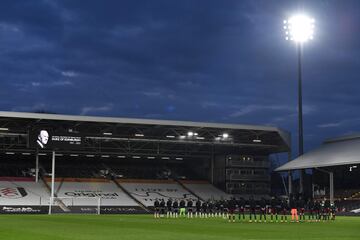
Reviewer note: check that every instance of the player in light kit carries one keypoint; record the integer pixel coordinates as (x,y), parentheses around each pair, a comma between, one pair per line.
(182,208)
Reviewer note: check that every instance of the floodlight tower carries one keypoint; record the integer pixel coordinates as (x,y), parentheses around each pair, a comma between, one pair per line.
(300,29)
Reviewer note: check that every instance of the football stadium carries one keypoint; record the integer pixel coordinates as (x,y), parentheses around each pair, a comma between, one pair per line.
(79,177)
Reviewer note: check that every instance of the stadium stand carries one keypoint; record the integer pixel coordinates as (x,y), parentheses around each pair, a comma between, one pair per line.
(22,191)
(205,190)
(146,191)
(83,189)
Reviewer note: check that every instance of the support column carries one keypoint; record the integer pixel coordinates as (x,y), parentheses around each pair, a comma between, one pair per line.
(331,178)
(212,166)
(289,176)
(52,181)
(37,166)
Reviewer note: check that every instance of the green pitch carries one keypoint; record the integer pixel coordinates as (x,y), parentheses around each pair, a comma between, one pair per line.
(144,227)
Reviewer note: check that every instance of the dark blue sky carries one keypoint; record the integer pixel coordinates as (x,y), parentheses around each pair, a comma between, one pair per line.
(216,61)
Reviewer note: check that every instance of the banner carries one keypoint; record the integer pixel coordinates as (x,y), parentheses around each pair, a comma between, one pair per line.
(46,138)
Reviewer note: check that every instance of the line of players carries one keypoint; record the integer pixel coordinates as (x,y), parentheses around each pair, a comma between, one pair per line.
(258,211)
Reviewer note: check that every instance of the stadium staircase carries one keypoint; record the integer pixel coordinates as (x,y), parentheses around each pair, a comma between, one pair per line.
(187,189)
(131,196)
(48,188)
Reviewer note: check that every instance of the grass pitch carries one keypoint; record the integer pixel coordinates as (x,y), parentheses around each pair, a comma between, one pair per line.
(144,227)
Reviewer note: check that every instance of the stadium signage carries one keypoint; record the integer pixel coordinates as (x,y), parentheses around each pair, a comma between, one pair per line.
(20,210)
(85,193)
(12,193)
(45,138)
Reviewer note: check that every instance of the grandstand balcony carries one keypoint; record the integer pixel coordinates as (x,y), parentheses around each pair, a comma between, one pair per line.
(252,164)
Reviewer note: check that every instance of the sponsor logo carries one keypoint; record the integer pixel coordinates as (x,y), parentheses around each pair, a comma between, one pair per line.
(12,193)
(84,193)
(20,210)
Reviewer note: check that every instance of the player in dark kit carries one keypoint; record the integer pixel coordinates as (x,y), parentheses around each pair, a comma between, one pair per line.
(317,208)
(310,209)
(262,204)
(273,210)
(252,205)
(190,209)
(231,209)
(241,205)
(301,206)
(162,208)
(284,210)
(169,208)
(156,209)
(198,208)
(175,208)
(204,207)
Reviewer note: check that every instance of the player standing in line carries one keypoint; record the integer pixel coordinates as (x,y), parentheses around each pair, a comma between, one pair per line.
(156,208)
(175,208)
(182,208)
(162,208)
(252,205)
(241,205)
(301,205)
(333,211)
(310,209)
(189,208)
(198,208)
(169,208)
(273,209)
(262,204)
(204,209)
(327,207)
(294,212)
(231,209)
(284,210)
(317,207)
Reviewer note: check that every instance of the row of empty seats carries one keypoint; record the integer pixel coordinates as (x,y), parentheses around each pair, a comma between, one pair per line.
(86,192)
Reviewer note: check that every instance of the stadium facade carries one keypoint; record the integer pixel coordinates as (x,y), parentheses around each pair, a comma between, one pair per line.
(127,155)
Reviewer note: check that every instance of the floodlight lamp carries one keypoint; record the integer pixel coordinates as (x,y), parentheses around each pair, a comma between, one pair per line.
(299,28)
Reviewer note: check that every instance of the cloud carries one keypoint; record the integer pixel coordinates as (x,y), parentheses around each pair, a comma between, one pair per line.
(69,74)
(245,110)
(92,109)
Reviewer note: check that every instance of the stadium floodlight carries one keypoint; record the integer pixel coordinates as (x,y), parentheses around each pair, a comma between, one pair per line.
(4,129)
(170,136)
(74,155)
(139,135)
(151,157)
(225,135)
(107,133)
(26,153)
(190,134)
(178,158)
(42,154)
(182,137)
(90,155)
(105,156)
(299,28)
(10,153)
(59,154)
(121,156)
(200,138)
(137,157)
(165,158)
(257,140)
